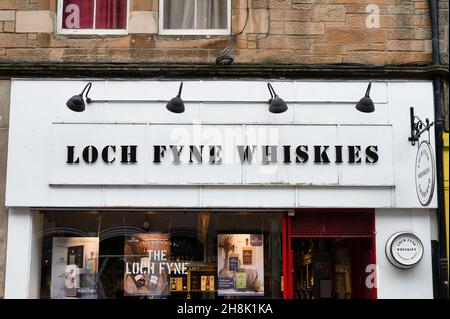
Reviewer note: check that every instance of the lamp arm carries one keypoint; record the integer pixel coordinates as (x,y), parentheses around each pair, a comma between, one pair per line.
(368,89)
(180,89)
(271,91)
(88,87)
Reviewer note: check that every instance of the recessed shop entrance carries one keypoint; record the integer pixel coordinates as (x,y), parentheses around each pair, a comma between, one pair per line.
(330,254)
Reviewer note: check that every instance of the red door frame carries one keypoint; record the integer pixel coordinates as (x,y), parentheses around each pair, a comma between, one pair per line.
(374,257)
(288,263)
(288,255)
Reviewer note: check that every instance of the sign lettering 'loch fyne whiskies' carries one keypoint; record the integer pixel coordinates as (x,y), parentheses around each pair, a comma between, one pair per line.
(285,155)
(127,154)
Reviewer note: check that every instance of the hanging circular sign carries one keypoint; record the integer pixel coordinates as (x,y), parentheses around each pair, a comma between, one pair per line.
(404,250)
(424,175)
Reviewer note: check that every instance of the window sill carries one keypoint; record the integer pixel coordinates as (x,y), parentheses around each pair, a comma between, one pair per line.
(182,32)
(190,37)
(90,32)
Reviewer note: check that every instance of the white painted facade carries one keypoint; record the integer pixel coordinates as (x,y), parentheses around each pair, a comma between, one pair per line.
(225,113)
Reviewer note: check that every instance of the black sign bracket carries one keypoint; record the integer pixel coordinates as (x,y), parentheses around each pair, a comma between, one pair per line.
(418,127)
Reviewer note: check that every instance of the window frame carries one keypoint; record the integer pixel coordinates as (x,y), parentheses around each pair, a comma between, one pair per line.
(63,31)
(163,31)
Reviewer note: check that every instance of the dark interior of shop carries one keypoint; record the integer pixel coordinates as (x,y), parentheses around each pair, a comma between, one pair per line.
(331,267)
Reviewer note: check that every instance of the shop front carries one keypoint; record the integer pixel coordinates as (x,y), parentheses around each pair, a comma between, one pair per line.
(126,192)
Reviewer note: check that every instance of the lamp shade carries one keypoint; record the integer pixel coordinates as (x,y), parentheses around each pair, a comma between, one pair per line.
(176,105)
(366,105)
(76,103)
(277,105)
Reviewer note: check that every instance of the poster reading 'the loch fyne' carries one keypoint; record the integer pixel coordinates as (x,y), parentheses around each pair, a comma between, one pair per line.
(146,265)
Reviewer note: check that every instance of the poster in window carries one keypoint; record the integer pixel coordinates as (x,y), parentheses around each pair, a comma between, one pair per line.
(147,258)
(78,14)
(240,265)
(74,272)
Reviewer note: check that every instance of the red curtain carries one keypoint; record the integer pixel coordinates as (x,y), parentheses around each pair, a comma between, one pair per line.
(78,14)
(111,14)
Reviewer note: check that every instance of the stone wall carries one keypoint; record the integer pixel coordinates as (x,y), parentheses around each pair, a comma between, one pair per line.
(443,29)
(278,31)
(443,46)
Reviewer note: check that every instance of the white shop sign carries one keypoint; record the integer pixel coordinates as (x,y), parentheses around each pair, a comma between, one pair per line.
(132,154)
(224,115)
(404,250)
(425,173)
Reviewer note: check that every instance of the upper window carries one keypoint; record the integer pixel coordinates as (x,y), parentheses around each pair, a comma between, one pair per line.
(202,17)
(92,16)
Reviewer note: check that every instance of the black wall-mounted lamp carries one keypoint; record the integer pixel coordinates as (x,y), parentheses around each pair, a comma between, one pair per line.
(366,105)
(176,105)
(418,127)
(76,102)
(277,105)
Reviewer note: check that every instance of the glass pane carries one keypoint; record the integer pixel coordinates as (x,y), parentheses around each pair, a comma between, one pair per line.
(111,14)
(179,14)
(95,254)
(343,274)
(78,14)
(211,14)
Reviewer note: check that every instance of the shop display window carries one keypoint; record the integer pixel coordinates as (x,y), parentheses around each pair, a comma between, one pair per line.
(160,254)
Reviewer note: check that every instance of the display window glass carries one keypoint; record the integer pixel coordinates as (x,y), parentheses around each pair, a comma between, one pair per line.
(160,254)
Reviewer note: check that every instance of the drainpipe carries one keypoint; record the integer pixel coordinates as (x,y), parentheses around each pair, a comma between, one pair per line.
(437,90)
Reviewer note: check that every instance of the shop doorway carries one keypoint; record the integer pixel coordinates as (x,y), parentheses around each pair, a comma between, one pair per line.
(330,255)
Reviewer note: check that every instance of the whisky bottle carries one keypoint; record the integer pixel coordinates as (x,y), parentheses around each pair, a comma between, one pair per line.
(233,260)
(179,284)
(207,283)
(247,254)
(241,281)
(139,280)
(153,283)
(194,282)
(92,262)
(203,283)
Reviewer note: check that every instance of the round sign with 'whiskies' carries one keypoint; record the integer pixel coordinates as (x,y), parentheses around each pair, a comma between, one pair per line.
(404,250)
(425,178)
